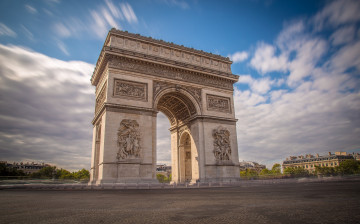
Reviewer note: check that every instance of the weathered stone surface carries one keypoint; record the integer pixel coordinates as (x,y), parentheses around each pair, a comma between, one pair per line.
(136,77)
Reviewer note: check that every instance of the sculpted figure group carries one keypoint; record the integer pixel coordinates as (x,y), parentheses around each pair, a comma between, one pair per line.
(222,148)
(128,139)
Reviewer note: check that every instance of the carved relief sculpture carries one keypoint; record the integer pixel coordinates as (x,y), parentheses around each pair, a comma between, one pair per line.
(168,72)
(128,139)
(128,89)
(218,103)
(222,148)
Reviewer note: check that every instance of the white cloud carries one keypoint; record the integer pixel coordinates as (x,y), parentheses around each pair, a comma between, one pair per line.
(265,60)
(343,35)
(27,33)
(239,56)
(295,123)
(99,26)
(337,13)
(46,108)
(261,86)
(288,38)
(114,10)
(6,31)
(308,54)
(62,30)
(319,109)
(62,47)
(258,86)
(176,3)
(245,79)
(128,13)
(109,19)
(347,57)
(99,22)
(31,9)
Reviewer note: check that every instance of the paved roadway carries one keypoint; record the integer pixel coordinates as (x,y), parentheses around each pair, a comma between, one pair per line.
(329,202)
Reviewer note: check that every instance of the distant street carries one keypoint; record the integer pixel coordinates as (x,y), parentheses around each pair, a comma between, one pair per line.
(328,202)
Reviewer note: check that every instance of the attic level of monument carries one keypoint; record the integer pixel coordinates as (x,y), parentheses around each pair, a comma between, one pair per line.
(155,57)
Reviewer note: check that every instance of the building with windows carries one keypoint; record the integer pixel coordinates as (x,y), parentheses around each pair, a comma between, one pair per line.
(163,169)
(252,166)
(309,162)
(27,167)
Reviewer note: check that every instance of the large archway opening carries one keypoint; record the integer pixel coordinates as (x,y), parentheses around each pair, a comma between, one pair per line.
(175,147)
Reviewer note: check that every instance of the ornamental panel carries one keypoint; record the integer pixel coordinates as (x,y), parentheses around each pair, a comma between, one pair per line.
(131,90)
(128,140)
(222,148)
(218,103)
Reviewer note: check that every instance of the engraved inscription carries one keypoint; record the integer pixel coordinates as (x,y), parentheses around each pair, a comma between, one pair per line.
(222,148)
(128,139)
(218,103)
(129,89)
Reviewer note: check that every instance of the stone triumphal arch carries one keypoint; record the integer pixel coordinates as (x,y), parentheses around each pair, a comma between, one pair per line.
(135,77)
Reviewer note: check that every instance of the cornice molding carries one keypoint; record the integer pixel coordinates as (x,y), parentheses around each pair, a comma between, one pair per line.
(159,70)
(116,32)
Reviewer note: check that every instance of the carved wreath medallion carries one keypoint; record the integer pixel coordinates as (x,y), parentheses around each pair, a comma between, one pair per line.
(128,139)
(222,148)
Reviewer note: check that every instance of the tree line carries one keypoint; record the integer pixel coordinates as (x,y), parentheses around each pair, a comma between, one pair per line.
(48,172)
(348,167)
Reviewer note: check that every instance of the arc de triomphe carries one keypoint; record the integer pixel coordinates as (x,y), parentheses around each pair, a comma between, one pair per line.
(135,77)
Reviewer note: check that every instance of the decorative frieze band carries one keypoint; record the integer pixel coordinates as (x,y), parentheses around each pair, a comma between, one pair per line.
(163,71)
(130,89)
(218,103)
(149,46)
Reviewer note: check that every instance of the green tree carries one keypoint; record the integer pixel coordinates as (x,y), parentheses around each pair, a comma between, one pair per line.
(47,172)
(82,174)
(348,167)
(161,178)
(169,178)
(249,174)
(10,171)
(64,174)
(265,172)
(296,172)
(276,169)
(327,171)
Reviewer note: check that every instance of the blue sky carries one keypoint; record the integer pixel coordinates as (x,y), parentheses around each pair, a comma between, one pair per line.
(298,63)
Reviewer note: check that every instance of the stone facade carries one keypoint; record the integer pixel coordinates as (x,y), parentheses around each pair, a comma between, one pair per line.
(135,77)
(309,161)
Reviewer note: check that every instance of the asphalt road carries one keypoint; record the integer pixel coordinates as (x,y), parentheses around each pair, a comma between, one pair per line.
(329,202)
